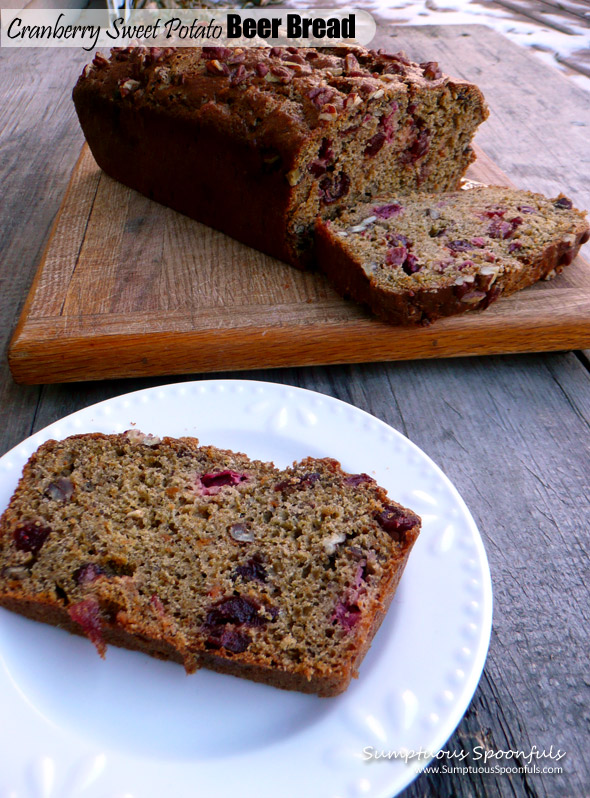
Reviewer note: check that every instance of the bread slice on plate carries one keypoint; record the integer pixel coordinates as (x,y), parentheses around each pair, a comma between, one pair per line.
(203,556)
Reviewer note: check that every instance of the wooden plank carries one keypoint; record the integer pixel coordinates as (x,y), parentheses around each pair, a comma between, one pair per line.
(171,296)
(539,15)
(519,459)
(575,8)
(578,65)
(60,355)
(39,145)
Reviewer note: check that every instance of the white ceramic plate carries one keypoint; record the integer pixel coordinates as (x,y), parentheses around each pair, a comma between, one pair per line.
(133,727)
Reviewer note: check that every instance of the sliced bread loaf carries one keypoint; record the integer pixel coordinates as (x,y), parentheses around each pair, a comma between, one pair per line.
(258,141)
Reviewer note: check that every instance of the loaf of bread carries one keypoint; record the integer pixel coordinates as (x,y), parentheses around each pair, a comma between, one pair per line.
(415,258)
(205,557)
(258,142)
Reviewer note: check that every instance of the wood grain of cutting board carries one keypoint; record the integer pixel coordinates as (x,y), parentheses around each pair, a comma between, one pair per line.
(129,288)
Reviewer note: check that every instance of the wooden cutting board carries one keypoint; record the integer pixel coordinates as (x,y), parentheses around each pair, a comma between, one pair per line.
(128,288)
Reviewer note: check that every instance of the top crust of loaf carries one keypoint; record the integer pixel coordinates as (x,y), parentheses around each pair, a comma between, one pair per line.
(280,96)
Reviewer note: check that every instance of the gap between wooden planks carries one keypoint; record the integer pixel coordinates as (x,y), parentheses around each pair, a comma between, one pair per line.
(128,288)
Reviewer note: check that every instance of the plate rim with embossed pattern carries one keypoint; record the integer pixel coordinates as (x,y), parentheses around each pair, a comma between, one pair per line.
(440,619)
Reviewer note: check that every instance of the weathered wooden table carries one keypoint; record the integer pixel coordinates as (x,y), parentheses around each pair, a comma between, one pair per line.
(510,432)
